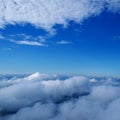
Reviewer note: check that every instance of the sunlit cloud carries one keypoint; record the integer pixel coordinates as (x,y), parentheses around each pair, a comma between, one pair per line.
(54,97)
(47,13)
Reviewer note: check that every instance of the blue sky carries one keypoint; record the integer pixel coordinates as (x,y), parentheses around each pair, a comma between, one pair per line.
(88,43)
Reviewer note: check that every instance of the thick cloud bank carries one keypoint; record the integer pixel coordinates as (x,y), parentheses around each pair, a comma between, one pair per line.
(47,13)
(56,97)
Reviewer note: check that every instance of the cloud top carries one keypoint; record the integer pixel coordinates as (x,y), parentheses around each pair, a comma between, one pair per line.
(58,97)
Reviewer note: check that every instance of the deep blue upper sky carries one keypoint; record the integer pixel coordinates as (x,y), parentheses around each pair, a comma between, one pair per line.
(91,47)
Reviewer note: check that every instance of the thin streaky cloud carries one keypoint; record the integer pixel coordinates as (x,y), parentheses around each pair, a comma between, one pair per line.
(63,42)
(25,42)
(24,39)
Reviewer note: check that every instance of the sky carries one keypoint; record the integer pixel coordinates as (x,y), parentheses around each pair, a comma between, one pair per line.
(60,36)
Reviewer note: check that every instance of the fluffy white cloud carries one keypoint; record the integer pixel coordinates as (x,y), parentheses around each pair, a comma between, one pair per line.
(43,97)
(43,13)
(47,13)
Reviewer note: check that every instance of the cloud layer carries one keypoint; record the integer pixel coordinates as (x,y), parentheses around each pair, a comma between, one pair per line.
(47,13)
(23,39)
(57,97)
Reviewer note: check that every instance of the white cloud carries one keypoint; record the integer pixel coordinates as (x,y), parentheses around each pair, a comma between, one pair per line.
(25,42)
(113,5)
(63,42)
(47,13)
(24,39)
(36,76)
(43,97)
(41,13)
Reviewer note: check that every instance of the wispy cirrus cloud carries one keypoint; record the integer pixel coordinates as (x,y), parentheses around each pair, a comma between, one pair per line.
(63,42)
(23,39)
(25,42)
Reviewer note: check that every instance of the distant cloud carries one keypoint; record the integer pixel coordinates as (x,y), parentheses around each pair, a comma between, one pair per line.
(54,97)
(63,42)
(25,42)
(24,39)
(47,13)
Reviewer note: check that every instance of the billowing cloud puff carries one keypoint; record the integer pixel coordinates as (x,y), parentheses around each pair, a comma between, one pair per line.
(47,13)
(56,97)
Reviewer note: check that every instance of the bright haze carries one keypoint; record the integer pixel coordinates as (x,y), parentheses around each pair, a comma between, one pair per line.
(74,45)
